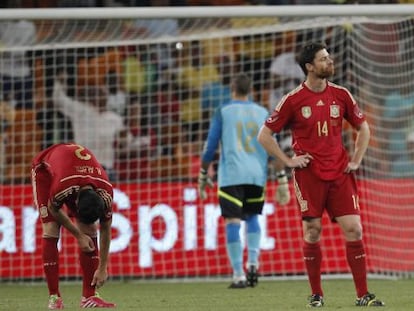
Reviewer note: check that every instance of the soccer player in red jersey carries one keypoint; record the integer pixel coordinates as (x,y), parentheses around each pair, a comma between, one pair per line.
(323,173)
(70,175)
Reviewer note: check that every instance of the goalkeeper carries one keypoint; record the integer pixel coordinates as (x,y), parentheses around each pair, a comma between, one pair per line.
(242,174)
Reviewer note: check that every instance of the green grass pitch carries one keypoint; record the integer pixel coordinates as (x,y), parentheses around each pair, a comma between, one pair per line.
(212,296)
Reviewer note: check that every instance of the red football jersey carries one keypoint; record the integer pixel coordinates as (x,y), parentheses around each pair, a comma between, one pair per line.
(70,167)
(315,120)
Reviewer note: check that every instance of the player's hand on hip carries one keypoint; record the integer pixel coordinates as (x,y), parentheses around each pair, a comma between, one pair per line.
(300,161)
(203,181)
(282,190)
(86,244)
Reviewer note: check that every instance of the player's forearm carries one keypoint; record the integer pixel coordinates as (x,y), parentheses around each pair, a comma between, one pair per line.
(361,143)
(65,221)
(271,146)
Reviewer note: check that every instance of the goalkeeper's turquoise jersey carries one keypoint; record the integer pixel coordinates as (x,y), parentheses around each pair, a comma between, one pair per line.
(234,128)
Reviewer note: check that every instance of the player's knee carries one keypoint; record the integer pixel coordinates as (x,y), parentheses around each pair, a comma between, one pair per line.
(50,230)
(312,237)
(312,233)
(353,232)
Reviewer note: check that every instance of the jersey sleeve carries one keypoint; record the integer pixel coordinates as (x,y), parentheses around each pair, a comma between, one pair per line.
(213,138)
(353,113)
(280,116)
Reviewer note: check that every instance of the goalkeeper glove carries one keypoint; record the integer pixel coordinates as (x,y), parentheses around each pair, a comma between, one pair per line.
(282,189)
(203,181)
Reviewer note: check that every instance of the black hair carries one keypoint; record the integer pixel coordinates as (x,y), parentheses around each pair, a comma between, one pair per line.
(90,206)
(308,52)
(242,84)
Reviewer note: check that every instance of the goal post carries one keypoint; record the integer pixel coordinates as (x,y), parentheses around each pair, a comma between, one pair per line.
(162,72)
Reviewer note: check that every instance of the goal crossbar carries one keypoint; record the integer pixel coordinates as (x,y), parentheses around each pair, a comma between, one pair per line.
(160,227)
(208,12)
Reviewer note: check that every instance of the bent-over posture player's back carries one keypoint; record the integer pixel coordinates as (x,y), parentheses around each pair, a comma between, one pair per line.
(70,175)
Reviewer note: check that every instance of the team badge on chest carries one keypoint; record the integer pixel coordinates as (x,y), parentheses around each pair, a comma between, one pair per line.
(334,111)
(306,112)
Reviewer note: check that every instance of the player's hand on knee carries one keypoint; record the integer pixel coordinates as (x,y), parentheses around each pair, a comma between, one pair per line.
(86,244)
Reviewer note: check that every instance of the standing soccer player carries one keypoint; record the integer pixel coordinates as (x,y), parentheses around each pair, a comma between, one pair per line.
(242,174)
(323,173)
(70,175)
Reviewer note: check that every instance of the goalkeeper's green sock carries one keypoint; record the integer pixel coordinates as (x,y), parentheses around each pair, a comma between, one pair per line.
(234,248)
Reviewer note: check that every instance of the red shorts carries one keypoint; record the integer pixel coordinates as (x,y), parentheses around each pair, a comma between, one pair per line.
(338,197)
(41,183)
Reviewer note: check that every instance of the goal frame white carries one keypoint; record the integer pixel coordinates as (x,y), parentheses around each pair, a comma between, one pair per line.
(208,12)
(300,11)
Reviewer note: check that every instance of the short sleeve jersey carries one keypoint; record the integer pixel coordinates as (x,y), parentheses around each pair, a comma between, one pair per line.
(71,167)
(315,120)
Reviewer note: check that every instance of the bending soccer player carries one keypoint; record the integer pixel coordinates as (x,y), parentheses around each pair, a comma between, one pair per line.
(324,176)
(242,175)
(70,175)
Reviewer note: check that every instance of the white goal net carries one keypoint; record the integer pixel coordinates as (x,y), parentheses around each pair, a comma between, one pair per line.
(138,87)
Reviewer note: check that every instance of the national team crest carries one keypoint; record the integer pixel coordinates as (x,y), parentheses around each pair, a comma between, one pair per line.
(334,111)
(43,212)
(306,112)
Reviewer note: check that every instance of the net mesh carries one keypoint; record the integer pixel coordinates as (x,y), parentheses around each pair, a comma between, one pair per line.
(161,79)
